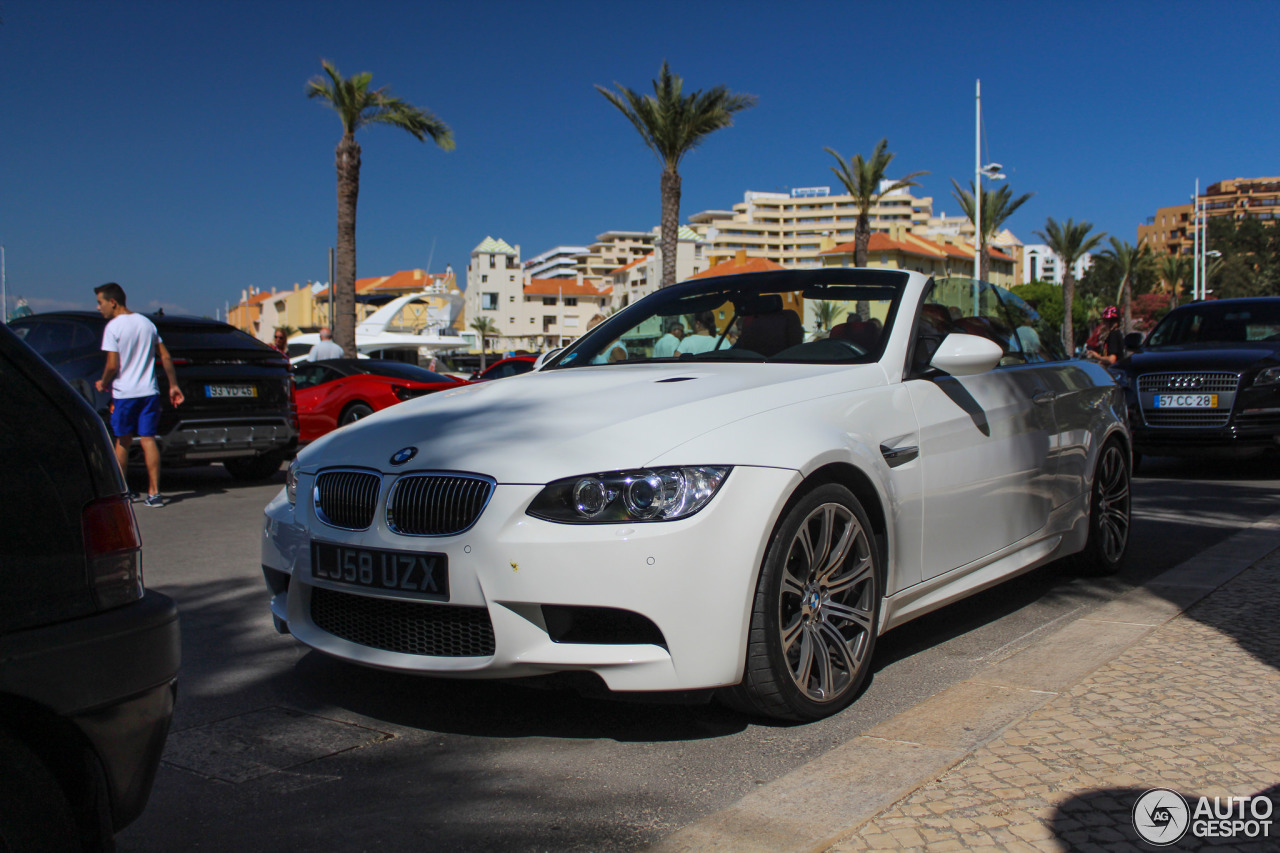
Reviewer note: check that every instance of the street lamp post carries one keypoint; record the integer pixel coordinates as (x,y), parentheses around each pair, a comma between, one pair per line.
(992,172)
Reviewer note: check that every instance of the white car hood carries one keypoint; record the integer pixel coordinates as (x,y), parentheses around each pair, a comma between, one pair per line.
(543,426)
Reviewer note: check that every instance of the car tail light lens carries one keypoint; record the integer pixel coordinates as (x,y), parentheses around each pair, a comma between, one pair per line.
(113,551)
(403,392)
(180,361)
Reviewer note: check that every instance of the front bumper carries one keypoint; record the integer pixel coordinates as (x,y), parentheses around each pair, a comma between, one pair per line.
(1247,433)
(692,580)
(214,439)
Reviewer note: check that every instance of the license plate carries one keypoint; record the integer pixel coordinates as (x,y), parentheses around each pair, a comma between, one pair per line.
(214,391)
(1186,401)
(427,575)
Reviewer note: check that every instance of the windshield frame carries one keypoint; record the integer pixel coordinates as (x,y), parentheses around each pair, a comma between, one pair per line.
(697,295)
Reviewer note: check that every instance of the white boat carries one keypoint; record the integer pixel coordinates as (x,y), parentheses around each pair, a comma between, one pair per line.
(418,322)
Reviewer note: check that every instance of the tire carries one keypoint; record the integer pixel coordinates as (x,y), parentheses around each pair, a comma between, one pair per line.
(250,468)
(1109,514)
(34,812)
(353,413)
(816,611)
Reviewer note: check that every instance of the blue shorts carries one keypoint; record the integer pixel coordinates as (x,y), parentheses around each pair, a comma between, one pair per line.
(136,416)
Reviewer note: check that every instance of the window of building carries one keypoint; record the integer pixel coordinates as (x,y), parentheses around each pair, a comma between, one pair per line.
(570,301)
(548,300)
(511,298)
(488,302)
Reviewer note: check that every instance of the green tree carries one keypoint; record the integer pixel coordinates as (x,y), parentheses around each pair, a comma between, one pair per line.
(357,105)
(1069,241)
(1249,257)
(826,313)
(672,124)
(861,179)
(486,328)
(997,207)
(1174,271)
(1131,261)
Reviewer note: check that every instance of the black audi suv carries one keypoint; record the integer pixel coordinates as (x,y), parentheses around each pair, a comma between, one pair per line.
(1206,381)
(239,409)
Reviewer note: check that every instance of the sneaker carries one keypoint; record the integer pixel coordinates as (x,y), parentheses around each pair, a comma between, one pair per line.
(154,500)
(133,497)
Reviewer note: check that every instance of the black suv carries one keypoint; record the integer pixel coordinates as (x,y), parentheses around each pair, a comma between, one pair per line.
(239,407)
(88,656)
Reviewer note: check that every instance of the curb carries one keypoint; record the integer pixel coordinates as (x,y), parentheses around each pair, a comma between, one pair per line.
(814,807)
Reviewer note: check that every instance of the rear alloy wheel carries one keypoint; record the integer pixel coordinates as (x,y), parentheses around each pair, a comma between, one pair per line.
(353,413)
(817,606)
(1108,541)
(254,467)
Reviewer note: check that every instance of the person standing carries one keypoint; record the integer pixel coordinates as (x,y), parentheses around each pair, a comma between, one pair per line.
(1112,349)
(326,348)
(666,345)
(703,338)
(280,343)
(132,345)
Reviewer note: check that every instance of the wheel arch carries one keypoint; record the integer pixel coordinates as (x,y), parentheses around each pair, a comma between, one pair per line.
(863,487)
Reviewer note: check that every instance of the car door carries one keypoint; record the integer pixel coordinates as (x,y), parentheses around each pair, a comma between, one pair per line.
(987,442)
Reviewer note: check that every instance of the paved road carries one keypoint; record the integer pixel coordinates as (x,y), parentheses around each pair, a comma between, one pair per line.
(278,748)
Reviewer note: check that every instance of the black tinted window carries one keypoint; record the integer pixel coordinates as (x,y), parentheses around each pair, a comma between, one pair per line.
(187,336)
(1219,322)
(399,370)
(54,336)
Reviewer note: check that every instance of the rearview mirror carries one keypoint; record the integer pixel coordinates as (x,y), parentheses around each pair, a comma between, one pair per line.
(1133,340)
(966,355)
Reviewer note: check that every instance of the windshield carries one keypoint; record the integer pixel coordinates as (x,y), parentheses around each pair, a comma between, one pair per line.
(831,316)
(1219,323)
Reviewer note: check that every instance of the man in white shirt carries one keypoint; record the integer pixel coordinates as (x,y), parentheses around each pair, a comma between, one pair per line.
(703,338)
(132,345)
(326,348)
(666,345)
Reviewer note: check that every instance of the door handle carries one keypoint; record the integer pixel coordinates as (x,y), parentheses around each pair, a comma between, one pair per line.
(1042,397)
(896,456)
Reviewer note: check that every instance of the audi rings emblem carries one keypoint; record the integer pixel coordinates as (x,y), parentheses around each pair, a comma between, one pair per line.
(1186,382)
(403,455)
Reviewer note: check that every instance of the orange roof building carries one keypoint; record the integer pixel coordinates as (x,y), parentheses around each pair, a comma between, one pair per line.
(906,251)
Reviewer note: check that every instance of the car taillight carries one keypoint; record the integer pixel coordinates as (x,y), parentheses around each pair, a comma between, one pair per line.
(181,361)
(404,392)
(113,551)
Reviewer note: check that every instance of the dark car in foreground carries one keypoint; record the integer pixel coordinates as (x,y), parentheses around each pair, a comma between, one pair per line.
(88,655)
(239,407)
(1206,381)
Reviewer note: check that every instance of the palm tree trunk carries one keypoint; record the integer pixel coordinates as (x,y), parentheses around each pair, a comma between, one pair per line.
(984,263)
(670,234)
(861,237)
(344,284)
(1068,297)
(1127,287)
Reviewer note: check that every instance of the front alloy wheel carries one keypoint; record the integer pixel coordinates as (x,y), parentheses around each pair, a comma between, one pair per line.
(1108,514)
(817,606)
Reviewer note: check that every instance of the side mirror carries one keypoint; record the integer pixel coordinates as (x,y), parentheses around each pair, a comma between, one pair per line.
(545,357)
(966,355)
(1133,340)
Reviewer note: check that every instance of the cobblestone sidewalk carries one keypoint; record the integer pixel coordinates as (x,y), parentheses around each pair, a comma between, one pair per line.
(1194,707)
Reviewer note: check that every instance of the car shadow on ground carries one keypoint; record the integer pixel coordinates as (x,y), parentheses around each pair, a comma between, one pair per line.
(197,481)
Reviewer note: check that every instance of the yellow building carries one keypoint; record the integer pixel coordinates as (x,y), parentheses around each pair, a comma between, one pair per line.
(1171,231)
(906,251)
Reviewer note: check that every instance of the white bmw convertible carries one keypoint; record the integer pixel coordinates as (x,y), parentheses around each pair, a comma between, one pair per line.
(827,454)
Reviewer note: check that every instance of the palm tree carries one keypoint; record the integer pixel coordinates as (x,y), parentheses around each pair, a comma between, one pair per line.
(1173,271)
(997,206)
(1129,261)
(357,105)
(672,124)
(1069,241)
(826,313)
(487,330)
(862,179)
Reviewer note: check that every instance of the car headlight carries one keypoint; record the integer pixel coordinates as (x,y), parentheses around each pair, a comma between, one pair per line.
(1267,376)
(616,497)
(291,481)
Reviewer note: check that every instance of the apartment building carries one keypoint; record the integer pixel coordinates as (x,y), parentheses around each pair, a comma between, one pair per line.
(611,250)
(643,276)
(559,262)
(1040,263)
(529,314)
(901,249)
(1171,230)
(788,228)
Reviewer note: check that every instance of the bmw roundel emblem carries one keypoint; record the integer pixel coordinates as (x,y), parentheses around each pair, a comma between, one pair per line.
(403,455)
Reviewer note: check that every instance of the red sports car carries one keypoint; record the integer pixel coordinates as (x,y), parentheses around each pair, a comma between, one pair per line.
(512,366)
(339,391)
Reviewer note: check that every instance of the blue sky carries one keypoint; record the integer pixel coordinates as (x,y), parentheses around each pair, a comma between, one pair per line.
(169,146)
